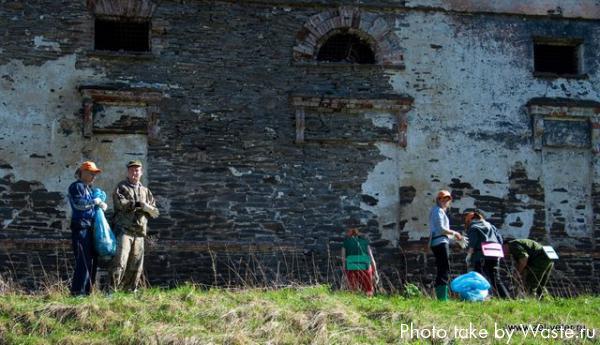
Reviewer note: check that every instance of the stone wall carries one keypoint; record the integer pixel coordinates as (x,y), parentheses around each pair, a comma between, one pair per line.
(217,109)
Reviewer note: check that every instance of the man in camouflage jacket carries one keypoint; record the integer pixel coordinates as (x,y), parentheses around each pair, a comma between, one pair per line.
(133,204)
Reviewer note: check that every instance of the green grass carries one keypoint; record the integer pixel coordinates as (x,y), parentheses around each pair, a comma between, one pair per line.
(302,315)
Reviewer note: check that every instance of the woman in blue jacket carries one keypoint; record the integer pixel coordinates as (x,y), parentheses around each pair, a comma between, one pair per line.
(83,207)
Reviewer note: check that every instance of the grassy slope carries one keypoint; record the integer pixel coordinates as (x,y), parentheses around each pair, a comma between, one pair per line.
(311,315)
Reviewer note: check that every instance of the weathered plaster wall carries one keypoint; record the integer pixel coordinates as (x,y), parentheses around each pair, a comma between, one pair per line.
(565,8)
(40,129)
(469,130)
(237,195)
(43,141)
(589,9)
(469,124)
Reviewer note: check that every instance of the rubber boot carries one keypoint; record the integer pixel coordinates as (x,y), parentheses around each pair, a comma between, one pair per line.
(441,292)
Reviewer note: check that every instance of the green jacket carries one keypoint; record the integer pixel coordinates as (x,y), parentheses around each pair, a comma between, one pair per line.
(530,249)
(130,218)
(357,253)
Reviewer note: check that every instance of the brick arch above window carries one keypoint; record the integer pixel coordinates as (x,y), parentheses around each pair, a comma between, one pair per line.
(122,8)
(373,27)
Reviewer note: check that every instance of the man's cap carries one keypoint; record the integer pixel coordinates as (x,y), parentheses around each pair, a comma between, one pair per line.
(134,163)
(89,166)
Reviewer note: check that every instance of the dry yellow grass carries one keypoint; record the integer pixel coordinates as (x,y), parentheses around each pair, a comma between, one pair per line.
(300,315)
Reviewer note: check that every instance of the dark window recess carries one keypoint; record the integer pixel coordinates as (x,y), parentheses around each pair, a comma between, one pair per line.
(346,47)
(122,35)
(557,59)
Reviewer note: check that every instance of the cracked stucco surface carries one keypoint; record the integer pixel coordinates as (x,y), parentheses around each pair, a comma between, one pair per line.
(42,136)
(458,97)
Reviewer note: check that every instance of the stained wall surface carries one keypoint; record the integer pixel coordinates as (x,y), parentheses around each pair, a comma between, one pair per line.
(216,109)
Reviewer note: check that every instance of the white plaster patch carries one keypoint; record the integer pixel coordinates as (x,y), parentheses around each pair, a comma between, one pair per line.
(523,198)
(462,204)
(113,113)
(270,132)
(238,173)
(382,184)
(201,114)
(525,217)
(566,189)
(563,8)
(39,42)
(159,86)
(111,153)
(8,221)
(453,125)
(379,119)
(41,132)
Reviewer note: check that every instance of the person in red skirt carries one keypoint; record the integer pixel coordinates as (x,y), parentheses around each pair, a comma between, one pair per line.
(358,263)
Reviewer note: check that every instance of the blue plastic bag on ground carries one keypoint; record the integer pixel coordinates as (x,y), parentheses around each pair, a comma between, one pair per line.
(471,286)
(104,239)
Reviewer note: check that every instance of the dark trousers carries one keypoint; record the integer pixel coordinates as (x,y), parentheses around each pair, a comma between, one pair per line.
(537,274)
(442,261)
(85,261)
(490,268)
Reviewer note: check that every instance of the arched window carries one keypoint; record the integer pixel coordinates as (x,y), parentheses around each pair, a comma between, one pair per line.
(346,47)
(349,35)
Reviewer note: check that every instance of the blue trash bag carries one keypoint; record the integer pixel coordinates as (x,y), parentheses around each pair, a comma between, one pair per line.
(471,286)
(105,242)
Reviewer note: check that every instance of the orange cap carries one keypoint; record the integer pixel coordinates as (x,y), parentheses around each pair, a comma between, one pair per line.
(444,194)
(90,166)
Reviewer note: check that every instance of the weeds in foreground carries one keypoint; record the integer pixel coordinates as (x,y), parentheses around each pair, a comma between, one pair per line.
(273,269)
(192,314)
(264,303)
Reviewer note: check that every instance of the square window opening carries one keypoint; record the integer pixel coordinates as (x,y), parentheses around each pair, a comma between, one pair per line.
(557,58)
(122,35)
